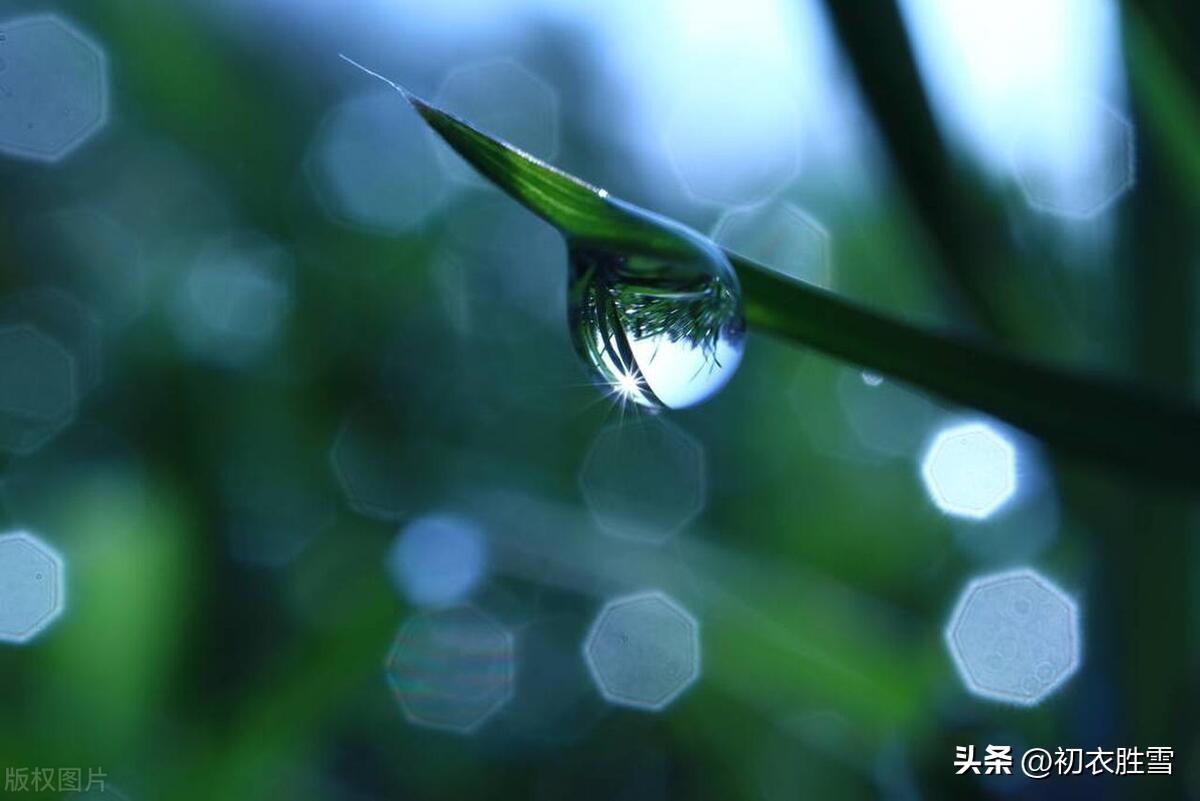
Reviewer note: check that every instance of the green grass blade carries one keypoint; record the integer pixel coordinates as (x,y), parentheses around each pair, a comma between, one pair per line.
(575,207)
(1094,417)
(1085,415)
(1168,101)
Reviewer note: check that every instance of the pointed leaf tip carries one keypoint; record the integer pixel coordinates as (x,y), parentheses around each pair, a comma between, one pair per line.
(577,208)
(407,95)
(1157,438)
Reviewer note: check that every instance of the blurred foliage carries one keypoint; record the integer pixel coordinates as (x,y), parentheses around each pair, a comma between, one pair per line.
(820,572)
(1071,412)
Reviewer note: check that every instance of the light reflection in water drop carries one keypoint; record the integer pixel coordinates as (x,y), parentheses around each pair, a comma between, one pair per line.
(663,333)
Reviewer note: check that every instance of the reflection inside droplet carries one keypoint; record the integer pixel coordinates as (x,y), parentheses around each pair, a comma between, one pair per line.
(660,332)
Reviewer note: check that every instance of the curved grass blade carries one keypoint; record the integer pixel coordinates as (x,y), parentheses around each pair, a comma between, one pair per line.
(1092,416)
(1089,416)
(578,209)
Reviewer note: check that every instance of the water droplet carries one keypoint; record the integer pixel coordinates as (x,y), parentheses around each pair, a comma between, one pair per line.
(661,332)
(871,379)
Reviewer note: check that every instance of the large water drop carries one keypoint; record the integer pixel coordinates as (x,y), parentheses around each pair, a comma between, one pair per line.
(664,332)
(654,307)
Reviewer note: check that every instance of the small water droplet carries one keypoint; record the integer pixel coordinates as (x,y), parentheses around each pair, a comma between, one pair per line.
(663,332)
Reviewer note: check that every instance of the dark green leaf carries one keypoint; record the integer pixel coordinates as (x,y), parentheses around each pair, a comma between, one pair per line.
(1090,416)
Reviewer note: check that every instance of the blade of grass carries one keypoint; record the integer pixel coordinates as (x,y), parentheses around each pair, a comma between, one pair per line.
(963,230)
(1086,415)
(1101,419)
(570,204)
(1145,578)
(1168,104)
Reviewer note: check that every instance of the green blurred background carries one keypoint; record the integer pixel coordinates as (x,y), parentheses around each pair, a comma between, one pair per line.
(384,337)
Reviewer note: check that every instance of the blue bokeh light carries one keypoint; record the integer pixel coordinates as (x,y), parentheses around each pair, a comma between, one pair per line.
(32,586)
(438,559)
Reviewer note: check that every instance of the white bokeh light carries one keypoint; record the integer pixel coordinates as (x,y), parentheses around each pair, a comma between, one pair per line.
(1081,178)
(1021,72)
(32,587)
(1014,637)
(742,97)
(970,470)
(643,651)
(53,88)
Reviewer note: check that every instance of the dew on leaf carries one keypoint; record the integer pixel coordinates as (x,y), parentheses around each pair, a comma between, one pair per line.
(662,333)
(660,323)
